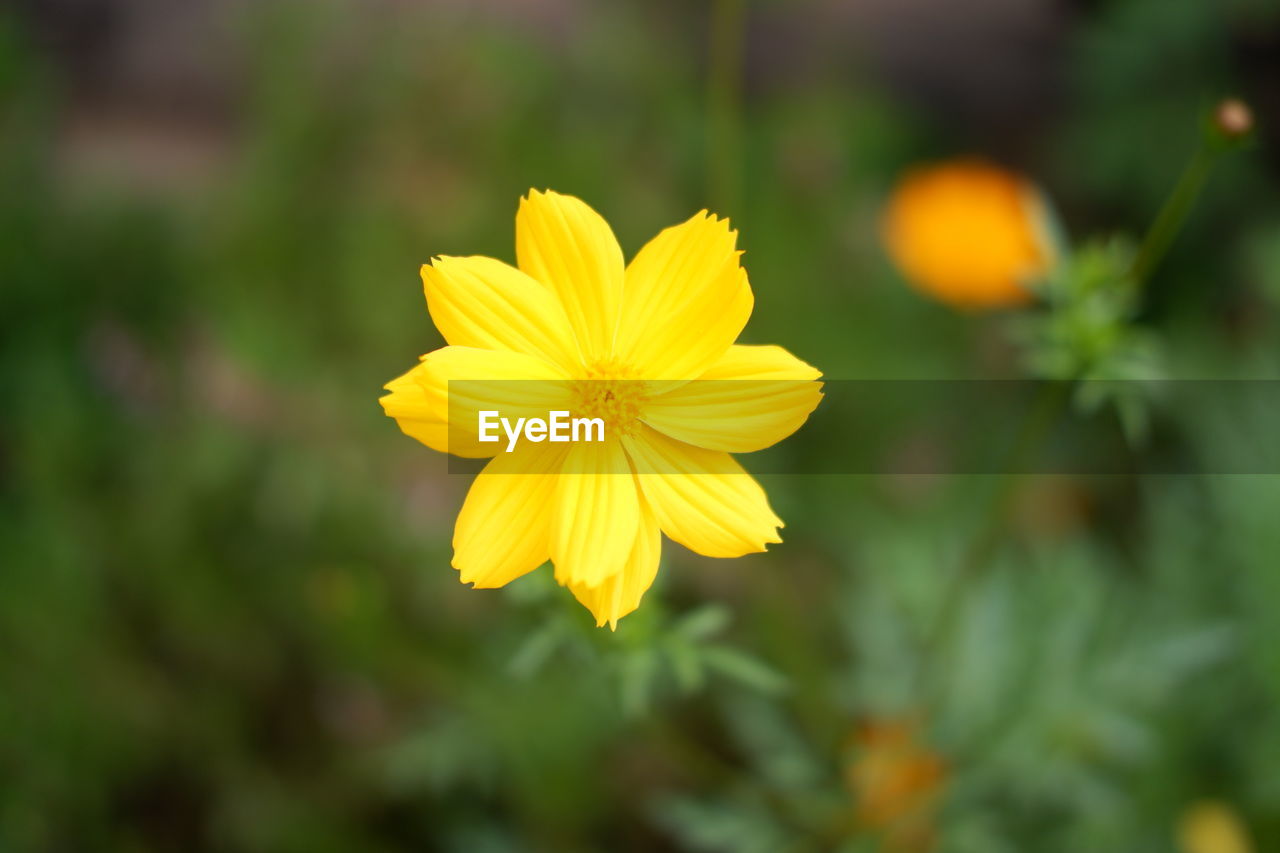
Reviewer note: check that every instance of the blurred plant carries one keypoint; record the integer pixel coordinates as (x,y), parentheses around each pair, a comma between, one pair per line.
(1087,330)
(791,796)
(976,236)
(651,657)
(1061,722)
(1083,336)
(1085,333)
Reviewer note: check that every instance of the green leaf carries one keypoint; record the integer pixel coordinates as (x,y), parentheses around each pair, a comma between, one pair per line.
(637,676)
(744,669)
(537,650)
(705,621)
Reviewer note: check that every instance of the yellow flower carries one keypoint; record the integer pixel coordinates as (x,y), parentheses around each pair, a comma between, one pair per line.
(1209,826)
(968,233)
(576,329)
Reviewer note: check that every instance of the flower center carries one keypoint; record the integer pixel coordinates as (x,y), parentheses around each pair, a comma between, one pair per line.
(612,392)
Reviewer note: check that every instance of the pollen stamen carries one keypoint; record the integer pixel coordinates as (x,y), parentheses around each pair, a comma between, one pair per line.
(612,392)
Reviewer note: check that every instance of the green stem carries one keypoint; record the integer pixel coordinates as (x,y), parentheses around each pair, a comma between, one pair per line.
(724,105)
(1218,138)
(1034,429)
(1173,215)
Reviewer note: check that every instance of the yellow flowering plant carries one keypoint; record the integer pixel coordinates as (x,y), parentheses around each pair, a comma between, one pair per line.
(648,349)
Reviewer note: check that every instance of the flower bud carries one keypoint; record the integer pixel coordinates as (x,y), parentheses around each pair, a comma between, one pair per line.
(1233,118)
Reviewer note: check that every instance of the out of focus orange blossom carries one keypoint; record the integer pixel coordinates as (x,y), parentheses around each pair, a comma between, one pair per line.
(969,233)
(895,780)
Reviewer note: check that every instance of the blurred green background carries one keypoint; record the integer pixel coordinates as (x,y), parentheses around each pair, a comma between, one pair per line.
(227,616)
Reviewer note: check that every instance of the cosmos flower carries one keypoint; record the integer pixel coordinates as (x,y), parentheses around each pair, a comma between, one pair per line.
(896,780)
(1210,826)
(647,347)
(968,233)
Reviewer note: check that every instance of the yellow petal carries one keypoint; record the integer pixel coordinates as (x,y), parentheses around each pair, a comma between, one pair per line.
(569,247)
(503,528)
(597,514)
(621,593)
(685,301)
(760,362)
(407,403)
(484,303)
(703,499)
(461,382)
(420,417)
(751,398)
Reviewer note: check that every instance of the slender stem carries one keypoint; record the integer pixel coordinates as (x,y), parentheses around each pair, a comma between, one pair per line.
(1173,215)
(1226,129)
(724,105)
(1034,429)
